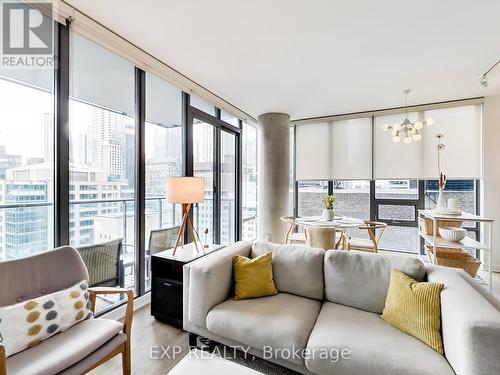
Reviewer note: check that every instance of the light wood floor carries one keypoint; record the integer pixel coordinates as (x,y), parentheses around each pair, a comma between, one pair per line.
(148,332)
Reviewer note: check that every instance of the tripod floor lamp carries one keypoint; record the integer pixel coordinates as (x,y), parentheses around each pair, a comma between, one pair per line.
(186,191)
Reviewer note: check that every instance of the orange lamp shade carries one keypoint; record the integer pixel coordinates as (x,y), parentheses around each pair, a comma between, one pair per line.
(185,190)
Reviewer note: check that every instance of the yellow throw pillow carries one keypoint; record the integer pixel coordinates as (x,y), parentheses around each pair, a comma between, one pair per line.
(415,308)
(254,277)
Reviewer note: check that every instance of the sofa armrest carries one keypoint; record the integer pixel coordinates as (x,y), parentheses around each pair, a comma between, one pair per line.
(129,312)
(470,323)
(3,363)
(208,282)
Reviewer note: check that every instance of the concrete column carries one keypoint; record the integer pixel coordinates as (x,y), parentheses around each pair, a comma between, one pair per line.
(273,175)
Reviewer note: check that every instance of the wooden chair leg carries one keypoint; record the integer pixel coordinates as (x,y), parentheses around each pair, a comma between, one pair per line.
(3,365)
(126,360)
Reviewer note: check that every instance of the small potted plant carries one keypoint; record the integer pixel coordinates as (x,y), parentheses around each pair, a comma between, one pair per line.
(328,213)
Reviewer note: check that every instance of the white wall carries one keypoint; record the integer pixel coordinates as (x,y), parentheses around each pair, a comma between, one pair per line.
(491,170)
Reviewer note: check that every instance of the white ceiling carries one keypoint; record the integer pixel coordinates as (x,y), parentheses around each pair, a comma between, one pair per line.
(322,57)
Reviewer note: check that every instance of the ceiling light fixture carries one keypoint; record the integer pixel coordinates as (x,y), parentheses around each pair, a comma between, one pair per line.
(484,78)
(407,131)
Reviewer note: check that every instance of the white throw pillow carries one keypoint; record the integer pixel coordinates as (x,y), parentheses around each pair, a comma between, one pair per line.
(25,324)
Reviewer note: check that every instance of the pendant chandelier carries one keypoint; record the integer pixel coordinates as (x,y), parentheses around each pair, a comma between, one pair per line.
(407,131)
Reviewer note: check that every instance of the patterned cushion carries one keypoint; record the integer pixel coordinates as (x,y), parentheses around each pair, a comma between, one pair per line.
(27,323)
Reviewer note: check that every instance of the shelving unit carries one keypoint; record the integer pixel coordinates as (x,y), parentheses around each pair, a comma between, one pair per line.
(467,243)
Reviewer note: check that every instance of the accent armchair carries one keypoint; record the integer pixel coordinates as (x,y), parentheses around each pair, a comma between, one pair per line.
(82,347)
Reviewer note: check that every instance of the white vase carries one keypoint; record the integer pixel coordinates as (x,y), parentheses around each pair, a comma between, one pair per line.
(327,214)
(440,203)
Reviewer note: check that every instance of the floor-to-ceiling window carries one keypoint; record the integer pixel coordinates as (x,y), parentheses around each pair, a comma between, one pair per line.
(26,163)
(216,157)
(228,185)
(85,133)
(204,166)
(26,158)
(163,158)
(102,153)
(249,182)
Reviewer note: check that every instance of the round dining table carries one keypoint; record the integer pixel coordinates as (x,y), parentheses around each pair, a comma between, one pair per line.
(340,222)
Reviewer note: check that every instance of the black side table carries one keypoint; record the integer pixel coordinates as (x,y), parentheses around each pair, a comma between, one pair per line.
(166,281)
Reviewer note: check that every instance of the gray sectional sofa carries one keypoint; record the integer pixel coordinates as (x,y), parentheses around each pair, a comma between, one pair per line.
(328,310)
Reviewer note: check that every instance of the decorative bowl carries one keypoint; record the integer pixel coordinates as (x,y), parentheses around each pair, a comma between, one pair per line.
(452,234)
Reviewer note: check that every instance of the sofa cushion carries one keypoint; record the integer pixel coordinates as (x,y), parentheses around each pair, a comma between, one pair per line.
(359,279)
(297,269)
(253,277)
(283,321)
(374,347)
(28,323)
(415,309)
(64,349)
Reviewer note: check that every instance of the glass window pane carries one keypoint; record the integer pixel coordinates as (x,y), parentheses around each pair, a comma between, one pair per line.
(202,104)
(396,212)
(163,148)
(396,189)
(463,190)
(402,239)
(229,118)
(102,160)
(26,162)
(203,156)
(310,195)
(353,198)
(228,188)
(249,187)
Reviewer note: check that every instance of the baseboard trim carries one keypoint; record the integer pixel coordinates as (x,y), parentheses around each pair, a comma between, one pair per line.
(119,312)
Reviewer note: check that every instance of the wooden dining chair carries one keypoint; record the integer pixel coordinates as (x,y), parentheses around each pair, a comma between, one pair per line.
(325,237)
(375,230)
(291,236)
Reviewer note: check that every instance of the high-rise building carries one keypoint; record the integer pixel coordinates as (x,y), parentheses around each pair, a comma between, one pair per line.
(25,230)
(109,136)
(8,161)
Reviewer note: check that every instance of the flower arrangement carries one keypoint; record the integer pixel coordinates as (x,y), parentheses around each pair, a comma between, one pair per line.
(328,201)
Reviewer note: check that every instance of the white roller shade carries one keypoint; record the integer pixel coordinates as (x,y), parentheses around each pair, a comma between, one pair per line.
(163,102)
(397,160)
(101,77)
(461,159)
(461,127)
(334,150)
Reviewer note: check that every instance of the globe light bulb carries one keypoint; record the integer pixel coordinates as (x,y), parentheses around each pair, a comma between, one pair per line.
(418,125)
(396,139)
(386,127)
(417,137)
(408,139)
(429,122)
(397,127)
